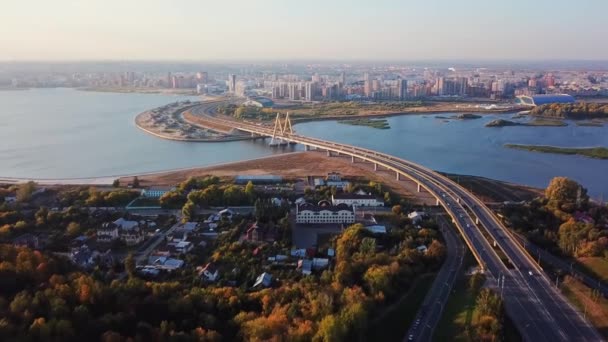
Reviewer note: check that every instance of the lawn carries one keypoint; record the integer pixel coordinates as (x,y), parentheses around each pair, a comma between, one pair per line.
(598,266)
(392,325)
(459,314)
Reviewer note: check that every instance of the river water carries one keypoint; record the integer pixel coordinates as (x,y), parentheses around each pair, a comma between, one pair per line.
(65,133)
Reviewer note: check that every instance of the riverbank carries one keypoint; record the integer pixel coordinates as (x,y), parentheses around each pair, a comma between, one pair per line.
(591,152)
(299,165)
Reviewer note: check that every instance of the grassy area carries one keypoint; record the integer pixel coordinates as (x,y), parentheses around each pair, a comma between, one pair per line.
(392,324)
(590,123)
(592,152)
(352,108)
(593,305)
(459,314)
(597,266)
(379,123)
(546,122)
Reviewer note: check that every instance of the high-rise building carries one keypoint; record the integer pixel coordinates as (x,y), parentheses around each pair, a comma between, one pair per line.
(440,84)
(402,89)
(462,85)
(169,80)
(310,91)
(232,83)
(343,78)
(202,77)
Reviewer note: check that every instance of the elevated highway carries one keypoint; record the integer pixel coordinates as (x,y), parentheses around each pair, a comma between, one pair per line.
(538,309)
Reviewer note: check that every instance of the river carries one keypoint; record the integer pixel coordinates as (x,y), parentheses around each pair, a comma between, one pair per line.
(65,133)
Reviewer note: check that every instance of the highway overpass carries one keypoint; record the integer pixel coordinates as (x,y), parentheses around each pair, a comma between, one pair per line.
(538,309)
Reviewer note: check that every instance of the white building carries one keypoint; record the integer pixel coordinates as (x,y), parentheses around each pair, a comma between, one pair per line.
(155,192)
(416,216)
(357,200)
(310,213)
(108,232)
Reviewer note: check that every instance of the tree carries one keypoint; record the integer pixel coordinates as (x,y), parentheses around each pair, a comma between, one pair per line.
(130,265)
(250,190)
(135,182)
(116,183)
(188,211)
(566,194)
(25,191)
(476,282)
(572,234)
(397,209)
(73,229)
(377,278)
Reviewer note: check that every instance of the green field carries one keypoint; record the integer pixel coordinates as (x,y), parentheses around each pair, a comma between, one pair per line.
(591,152)
(546,122)
(459,314)
(392,325)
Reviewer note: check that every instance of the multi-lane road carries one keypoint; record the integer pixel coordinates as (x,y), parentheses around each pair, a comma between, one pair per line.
(540,312)
(437,296)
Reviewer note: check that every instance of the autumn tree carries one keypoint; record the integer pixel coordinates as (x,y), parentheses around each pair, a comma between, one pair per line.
(130,265)
(25,191)
(73,229)
(566,194)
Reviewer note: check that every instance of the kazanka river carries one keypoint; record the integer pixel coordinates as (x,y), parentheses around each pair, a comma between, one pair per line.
(66,133)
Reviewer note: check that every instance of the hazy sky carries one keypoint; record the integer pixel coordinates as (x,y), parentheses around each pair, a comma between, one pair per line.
(306,29)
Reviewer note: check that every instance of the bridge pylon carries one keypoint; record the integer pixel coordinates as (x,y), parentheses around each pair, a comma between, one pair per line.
(281,128)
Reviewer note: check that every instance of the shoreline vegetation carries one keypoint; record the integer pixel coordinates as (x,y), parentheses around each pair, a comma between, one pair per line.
(533,123)
(373,123)
(574,111)
(591,152)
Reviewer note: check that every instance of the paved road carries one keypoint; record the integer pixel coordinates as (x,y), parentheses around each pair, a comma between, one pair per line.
(565,265)
(433,305)
(540,312)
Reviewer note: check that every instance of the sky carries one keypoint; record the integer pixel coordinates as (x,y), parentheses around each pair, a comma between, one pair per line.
(300,30)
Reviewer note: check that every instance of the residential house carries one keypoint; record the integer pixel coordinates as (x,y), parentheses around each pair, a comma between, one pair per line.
(264,279)
(310,213)
(208,273)
(305,266)
(257,233)
(376,229)
(27,240)
(416,216)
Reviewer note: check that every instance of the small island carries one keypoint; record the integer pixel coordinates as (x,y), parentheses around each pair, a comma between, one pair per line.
(591,152)
(373,123)
(502,123)
(534,123)
(467,116)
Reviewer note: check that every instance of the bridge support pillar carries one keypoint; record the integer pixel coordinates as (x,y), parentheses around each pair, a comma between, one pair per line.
(306,148)
(398,176)
(375,166)
(352,159)
(437,201)
(419,188)
(477,220)
(457,199)
(328,153)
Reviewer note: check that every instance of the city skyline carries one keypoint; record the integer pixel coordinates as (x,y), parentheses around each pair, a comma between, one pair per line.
(387,30)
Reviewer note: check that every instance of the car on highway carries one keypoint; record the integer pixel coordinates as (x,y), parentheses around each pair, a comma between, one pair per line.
(531,273)
(410,338)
